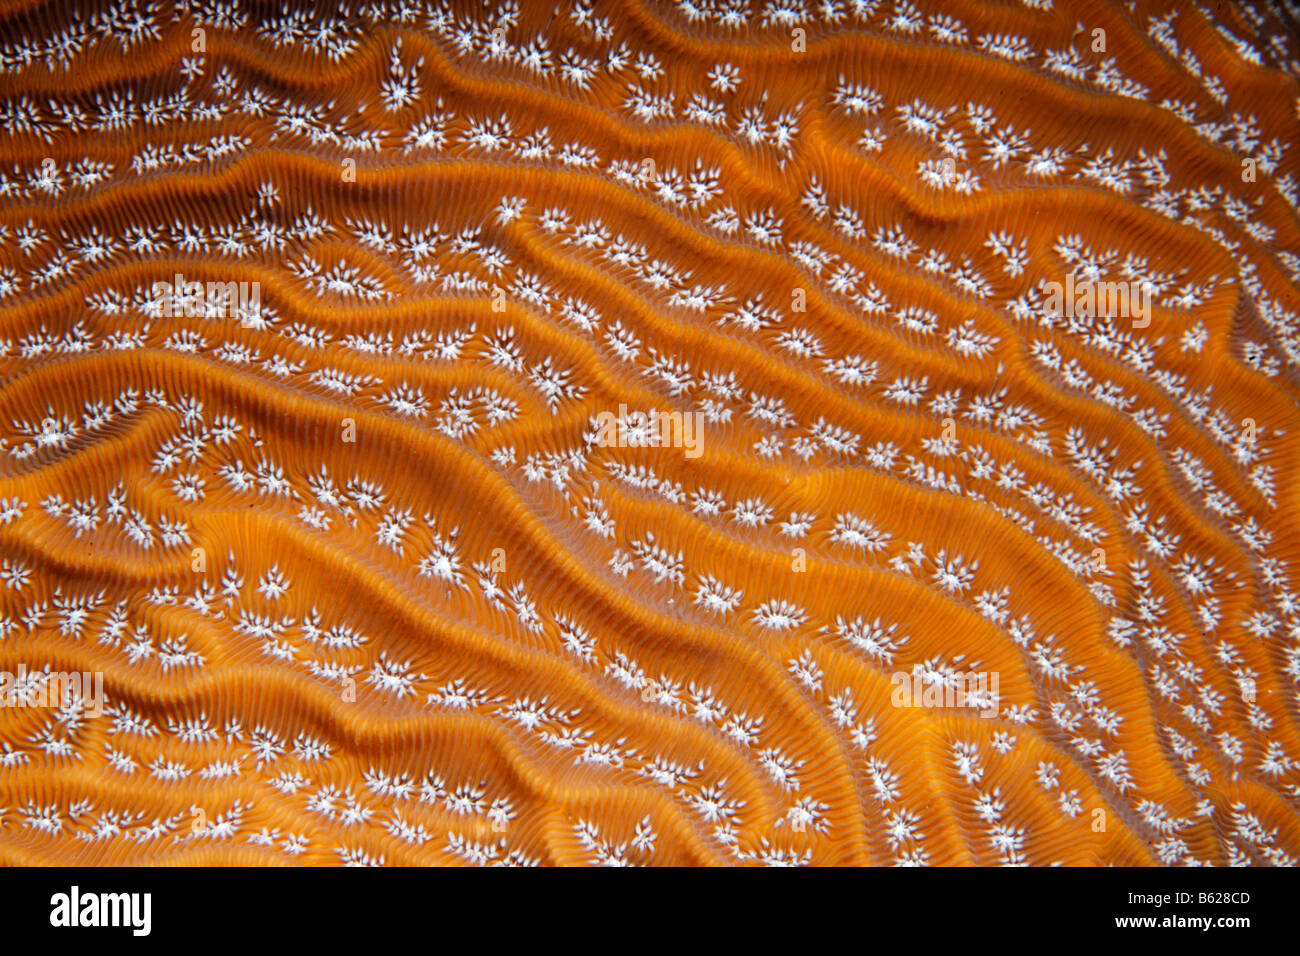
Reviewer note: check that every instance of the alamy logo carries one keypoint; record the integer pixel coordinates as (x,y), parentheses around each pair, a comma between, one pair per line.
(75,909)
(47,688)
(652,429)
(970,690)
(1086,299)
(212,300)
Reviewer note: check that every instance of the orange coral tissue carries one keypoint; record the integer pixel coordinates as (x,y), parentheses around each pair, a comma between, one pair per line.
(703,433)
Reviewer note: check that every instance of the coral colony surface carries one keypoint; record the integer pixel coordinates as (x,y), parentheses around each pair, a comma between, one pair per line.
(703,433)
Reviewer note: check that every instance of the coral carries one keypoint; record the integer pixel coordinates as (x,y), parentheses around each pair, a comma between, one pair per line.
(724,432)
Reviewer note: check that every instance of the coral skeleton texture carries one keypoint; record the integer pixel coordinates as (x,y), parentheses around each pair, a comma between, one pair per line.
(854,432)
